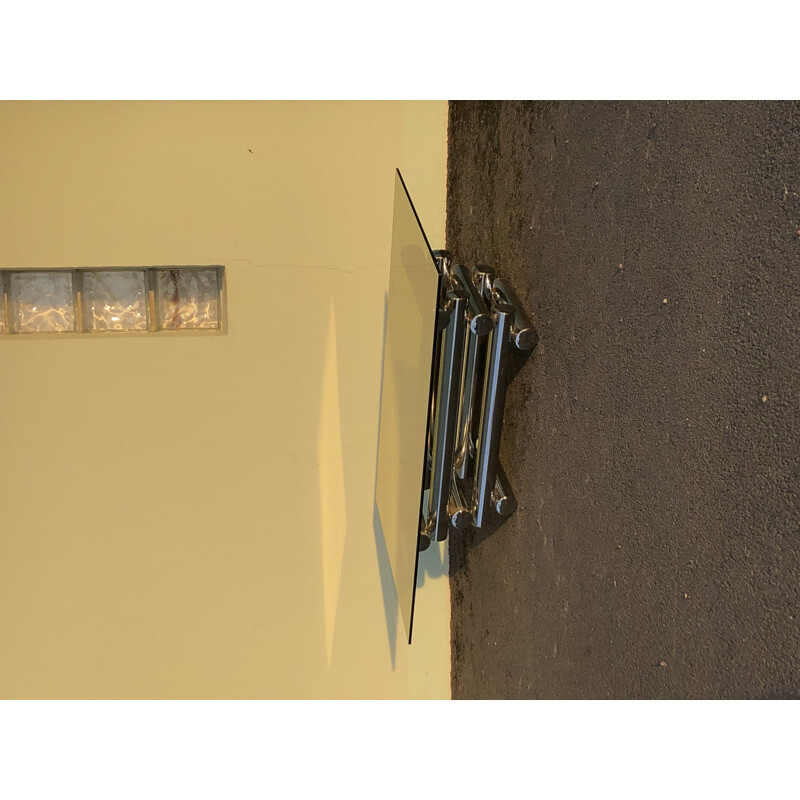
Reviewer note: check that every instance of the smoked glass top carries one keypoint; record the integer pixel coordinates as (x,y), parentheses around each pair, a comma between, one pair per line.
(407,366)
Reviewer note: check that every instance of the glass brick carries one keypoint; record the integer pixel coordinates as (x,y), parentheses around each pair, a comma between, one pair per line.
(42,301)
(115,300)
(188,298)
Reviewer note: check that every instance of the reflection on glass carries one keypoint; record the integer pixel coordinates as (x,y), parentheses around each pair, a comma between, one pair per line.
(407,365)
(188,298)
(42,301)
(115,300)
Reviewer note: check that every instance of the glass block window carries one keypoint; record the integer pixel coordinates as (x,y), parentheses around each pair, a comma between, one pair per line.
(42,301)
(115,300)
(188,298)
(108,299)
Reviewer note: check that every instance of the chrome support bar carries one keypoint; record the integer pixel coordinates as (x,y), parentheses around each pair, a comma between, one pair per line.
(523,334)
(460,515)
(482,280)
(474,360)
(437,354)
(491,413)
(478,316)
(447,394)
(502,497)
(469,407)
(443,260)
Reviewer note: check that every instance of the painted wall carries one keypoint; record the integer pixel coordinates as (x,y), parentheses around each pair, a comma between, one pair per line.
(192,516)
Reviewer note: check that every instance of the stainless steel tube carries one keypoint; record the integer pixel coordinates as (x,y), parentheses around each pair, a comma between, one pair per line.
(503,500)
(482,280)
(447,394)
(444,259)
(465,443)
(492,413)
(478,316)
(442,320)
(437,352)
(480,325)
(458,510)
(523,334)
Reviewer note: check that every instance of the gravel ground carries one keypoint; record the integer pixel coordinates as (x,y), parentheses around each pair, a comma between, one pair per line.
(653,438)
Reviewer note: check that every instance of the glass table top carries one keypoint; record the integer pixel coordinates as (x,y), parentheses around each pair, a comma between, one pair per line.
(405,398)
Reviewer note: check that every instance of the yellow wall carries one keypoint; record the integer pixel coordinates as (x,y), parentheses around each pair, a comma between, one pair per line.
(192,516)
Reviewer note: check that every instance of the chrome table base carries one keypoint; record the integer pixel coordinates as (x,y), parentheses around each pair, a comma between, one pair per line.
(480,320)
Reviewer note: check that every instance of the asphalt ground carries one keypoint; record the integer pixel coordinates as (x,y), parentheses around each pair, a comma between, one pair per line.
(653,437)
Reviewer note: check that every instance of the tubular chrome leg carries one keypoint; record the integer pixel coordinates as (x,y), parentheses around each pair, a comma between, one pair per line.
(458,510)
(494,391)
(443,260)
(438,518)
(480,324)
(437,357)
(523,334)
(482,280)
(474,431)
(503,500)
(478,316)
(465,446)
